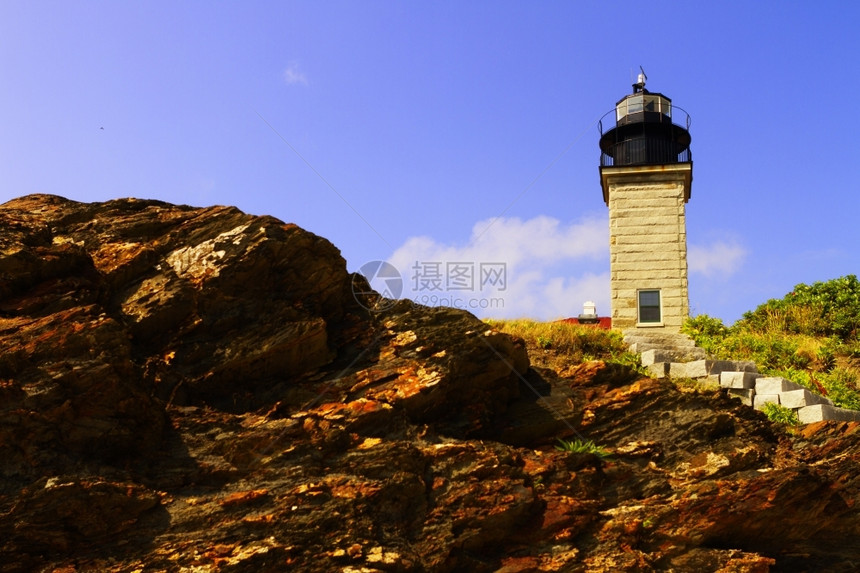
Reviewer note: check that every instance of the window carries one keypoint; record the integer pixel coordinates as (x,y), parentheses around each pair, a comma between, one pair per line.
(666,106)
(620,110)
(649,306)
(652,104)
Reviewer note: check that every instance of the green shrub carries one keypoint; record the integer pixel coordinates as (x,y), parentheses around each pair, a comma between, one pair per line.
(780,414)
(629,359)
(851,349)
(582,446)
(708,332)
(830,308)
(842,387)
(703,325)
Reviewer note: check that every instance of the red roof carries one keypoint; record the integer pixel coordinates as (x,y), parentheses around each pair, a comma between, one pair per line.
(604,322)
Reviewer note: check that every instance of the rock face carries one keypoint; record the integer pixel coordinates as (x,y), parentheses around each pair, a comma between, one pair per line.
(199,389)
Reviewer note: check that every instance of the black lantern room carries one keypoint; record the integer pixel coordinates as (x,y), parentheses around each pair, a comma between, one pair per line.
(645,131)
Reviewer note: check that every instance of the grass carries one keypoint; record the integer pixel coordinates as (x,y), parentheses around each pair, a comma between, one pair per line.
(692,385)
(561,344)
(582,446)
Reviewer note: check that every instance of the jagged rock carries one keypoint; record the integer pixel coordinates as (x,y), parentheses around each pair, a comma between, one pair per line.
(199,389)
(56,516)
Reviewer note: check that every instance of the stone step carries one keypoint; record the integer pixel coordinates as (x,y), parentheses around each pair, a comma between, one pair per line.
(641,344)
(658,369)
(759,400)
(654,356)
(676,356)
(756,390)
(639,341)
(642,334)
(775,385)
(739,379)
(801,398)
(746,395)
(822,412)
(705,368)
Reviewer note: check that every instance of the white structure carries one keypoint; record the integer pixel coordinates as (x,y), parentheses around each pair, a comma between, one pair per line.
(646,172)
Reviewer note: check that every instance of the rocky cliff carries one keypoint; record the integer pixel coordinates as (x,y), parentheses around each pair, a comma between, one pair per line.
(187,389)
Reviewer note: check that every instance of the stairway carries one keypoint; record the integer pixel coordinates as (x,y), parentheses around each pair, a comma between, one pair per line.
(671,355)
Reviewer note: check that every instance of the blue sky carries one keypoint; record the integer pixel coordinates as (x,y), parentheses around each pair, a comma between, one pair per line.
(456,134)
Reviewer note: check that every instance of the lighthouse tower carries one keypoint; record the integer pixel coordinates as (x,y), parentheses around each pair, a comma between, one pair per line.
(646,171)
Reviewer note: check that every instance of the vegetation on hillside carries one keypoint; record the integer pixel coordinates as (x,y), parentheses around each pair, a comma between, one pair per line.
(562,344)
(780,414)
(810,336)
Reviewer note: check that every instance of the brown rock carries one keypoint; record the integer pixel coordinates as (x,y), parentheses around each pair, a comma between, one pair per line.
(55,517)
(198,389)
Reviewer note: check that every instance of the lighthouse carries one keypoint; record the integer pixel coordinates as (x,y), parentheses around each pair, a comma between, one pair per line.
(646,172)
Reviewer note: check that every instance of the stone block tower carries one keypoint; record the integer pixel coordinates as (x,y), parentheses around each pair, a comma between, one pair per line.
(646,171)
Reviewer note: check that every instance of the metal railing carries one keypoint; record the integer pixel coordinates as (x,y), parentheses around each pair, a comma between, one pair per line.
(677,113)
(646,149)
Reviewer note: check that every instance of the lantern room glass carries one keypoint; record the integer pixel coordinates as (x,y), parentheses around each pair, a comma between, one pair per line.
(637,103)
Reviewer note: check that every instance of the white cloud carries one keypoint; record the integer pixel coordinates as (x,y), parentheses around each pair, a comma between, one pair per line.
(717,259)
(550,268)
(293,75)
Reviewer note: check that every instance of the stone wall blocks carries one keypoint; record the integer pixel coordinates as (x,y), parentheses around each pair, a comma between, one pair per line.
(658,369)
(738,379)
(776,385)
(655,356)
(802,397)
(821,412)
(747,396)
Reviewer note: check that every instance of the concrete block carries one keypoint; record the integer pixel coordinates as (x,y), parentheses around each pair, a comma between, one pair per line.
(678,370)
(775,385)
(745,366)
(696,353)
(701,368)
(801,398)
(738,379)
(759,400)
(671,355)
(658,369)
(747,396)
(649,357)
(657,336)
(822,412)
